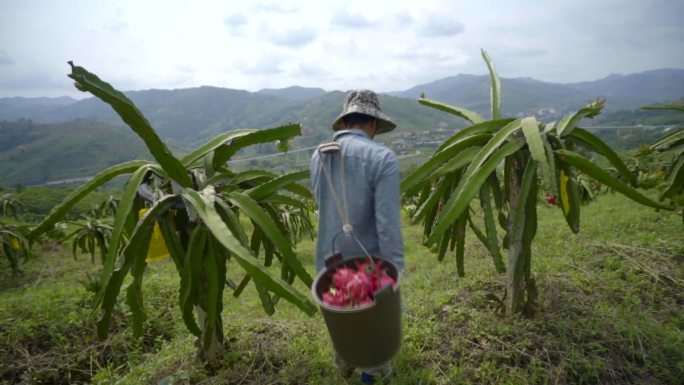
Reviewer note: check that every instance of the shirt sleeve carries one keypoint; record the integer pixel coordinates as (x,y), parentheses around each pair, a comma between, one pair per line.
(388,212)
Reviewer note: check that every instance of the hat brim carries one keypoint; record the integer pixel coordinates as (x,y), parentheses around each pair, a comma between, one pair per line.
(385,123)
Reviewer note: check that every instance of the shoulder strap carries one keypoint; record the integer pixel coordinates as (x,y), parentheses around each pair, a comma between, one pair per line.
(329,149)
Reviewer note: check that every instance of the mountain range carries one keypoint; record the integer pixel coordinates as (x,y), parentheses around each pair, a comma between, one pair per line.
(188,117)
(524,96)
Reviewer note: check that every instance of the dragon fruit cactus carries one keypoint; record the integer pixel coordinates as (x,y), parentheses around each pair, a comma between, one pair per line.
(351,287)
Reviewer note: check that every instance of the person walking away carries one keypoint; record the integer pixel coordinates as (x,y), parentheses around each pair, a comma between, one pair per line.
(370,192)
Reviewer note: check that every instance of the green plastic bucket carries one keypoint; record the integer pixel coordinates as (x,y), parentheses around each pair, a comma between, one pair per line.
(366,336)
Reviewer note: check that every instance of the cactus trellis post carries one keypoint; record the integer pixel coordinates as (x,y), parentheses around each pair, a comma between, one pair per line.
(197,202)
(534,155)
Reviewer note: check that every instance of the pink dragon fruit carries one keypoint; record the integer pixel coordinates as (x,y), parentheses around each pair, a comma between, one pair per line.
(359,287)
(335,298)
(384,281)
(342,276)
(362,266)
(355,288)
(550,199)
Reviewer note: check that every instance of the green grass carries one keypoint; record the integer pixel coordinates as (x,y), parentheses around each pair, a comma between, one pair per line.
(610,312)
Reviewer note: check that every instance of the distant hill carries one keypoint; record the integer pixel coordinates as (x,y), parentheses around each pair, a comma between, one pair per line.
(93,137)
(634,90)
(188,117)
(54,138)
(642,117)
(524,96)
(16,108)
(32,153)
(184,116)
(521,96)
(625,130)
(294,92)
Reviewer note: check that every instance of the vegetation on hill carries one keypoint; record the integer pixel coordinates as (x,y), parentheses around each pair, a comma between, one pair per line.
(528,96)
(187,117)
(627,130)
(36,202)
(32,153)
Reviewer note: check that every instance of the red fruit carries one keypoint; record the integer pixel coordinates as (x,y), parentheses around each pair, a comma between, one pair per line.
(386,280)
(550,199)
(362,266)
(354,288)
(359,287)
(336,299)
(328,299)
(342,276)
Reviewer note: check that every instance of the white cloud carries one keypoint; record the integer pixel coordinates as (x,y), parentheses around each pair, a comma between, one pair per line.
(347,19)
(5,58)
(439,25)
(236,20)
(265,66)
(292,38)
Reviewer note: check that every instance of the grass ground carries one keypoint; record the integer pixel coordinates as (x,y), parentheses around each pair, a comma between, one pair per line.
(610,313)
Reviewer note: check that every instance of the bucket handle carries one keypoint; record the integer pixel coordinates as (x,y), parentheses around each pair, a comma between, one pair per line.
(343,207)
(358,242)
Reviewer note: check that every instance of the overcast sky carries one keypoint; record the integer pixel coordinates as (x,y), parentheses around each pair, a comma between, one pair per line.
(383,45)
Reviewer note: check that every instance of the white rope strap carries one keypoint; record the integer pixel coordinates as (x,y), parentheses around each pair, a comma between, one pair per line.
(326,172)
(346,226)
(343,208)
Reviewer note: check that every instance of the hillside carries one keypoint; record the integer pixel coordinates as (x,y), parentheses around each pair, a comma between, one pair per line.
(15,108)
(191,115)
(63,132)
(33,153)
(528,96)
(626,130)
(634,90)
(188,117)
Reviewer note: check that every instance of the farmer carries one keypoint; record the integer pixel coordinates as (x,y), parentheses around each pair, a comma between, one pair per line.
(371,208)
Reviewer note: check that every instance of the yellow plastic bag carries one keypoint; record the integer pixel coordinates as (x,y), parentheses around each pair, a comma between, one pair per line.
(14,243)
(157,250)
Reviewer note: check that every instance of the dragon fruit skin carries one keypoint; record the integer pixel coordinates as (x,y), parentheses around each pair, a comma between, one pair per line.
(351,287)
(550,199)
(342,276)
(362,266)
(338,299)
(384,281)
(359,287)
(328,298)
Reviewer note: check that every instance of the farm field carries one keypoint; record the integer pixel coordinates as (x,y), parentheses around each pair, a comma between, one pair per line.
(610,312)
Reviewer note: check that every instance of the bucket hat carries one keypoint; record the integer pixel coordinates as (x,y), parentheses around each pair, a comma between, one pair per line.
(364,102)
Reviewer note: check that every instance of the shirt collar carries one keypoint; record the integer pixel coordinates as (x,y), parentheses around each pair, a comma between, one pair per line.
(352,131)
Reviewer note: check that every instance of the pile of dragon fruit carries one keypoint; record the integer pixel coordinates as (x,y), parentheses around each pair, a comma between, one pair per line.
(351,287)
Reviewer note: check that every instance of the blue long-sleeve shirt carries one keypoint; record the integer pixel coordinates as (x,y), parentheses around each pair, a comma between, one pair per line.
(372,174)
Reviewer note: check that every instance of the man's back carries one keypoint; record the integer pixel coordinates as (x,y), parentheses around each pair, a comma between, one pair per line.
(372,188)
